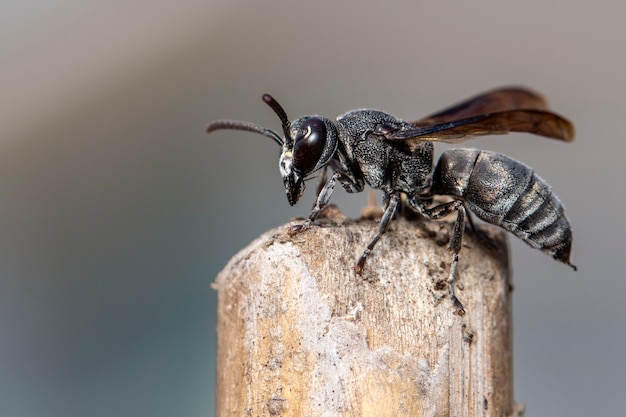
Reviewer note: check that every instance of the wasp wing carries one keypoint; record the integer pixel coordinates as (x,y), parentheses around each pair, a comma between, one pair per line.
(501,99)
(538,122)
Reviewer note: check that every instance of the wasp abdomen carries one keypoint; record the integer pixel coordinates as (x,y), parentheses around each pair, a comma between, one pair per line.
(507,193)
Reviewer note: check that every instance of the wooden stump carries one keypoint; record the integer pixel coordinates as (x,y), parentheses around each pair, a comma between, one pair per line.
(301,334)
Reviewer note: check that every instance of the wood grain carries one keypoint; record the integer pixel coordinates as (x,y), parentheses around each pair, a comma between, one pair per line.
(301,334)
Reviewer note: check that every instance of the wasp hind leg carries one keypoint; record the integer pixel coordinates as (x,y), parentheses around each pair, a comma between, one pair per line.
(456,238)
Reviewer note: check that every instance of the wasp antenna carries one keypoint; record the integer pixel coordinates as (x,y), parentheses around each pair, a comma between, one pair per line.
(280,112)
(247,126)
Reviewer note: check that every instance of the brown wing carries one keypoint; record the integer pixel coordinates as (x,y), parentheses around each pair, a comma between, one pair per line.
(499,100)
(538,122)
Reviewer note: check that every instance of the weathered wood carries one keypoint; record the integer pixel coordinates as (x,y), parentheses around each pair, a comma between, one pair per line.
(301,334)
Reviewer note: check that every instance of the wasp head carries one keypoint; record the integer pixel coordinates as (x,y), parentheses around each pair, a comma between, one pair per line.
(307,146)
(311,143)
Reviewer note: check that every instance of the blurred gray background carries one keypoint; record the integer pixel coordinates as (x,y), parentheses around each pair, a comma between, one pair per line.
(117,210)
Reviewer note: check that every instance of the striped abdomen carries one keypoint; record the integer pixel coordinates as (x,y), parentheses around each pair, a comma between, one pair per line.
(507,193)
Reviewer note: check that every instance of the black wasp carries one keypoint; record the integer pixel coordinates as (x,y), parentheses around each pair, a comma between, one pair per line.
(372,147)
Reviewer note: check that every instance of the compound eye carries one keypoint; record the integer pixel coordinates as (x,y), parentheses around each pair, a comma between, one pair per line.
(308,148)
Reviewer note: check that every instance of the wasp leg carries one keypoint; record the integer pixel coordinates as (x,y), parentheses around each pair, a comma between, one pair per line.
(322,199)
(322,181)
(390,210)
(454,245)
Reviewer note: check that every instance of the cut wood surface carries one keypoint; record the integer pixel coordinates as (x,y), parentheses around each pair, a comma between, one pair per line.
(301,334)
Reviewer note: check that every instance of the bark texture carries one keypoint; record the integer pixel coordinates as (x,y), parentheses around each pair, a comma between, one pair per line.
(301,334)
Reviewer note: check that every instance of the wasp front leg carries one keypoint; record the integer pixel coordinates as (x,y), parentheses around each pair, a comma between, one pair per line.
(322,200)
(322,181)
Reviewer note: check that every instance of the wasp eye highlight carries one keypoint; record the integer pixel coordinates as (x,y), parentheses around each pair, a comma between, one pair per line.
(308,146)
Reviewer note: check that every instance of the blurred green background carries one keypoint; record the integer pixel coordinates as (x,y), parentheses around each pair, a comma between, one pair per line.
(117,210)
